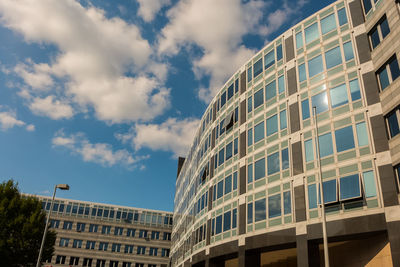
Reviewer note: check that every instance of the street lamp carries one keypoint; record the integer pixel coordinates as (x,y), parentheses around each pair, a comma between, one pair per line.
(62,187)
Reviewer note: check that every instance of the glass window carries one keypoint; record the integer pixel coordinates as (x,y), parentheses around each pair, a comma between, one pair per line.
(350,187)
(348,51)
(260,213)
(305,109)
(250,104)
(369,184)
(282,119)
(285,159)
(325,143)
(273,163)
(279,53)
(287,202)
(311,33)
(230,92)
(385,30)
(309,150)
(339,96)
(320,101)
(234,218)
(270,90)
(315,66)
(362,135)
(227,221)
(328,24)
(250,173)
(374,35)
(269,59)
(367,6)
(274,206)
(223,99)
(330,191)
(249,74)
(258,98)
(355,90)
(344,139)
(259,169)
(229,151)
(342,16)
(228,184)
(394,68)
(220,189)
(250,213)
(258,132)
(221,157)
(272,125)
(302,72)
(234,180)
(250,137)
(333,57)
(258,67)
(218,224)
(299,40)
(383,78)
(235,146)
(281,84)
(393,124)
(312,196)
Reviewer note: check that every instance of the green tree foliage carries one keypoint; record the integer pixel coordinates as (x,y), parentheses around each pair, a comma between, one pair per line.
(22,222)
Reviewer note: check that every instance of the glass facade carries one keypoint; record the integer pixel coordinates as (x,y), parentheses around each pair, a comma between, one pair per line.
(278,140)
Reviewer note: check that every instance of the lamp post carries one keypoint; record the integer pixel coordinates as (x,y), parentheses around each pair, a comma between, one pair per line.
(321,189)
(62,187)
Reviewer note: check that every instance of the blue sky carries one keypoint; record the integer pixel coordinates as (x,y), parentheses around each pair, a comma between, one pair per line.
(105,95)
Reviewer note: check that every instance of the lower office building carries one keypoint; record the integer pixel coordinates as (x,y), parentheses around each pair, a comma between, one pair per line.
(248,192)
(98,235)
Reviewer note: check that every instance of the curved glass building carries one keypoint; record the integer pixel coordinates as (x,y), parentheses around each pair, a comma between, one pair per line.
(248,192)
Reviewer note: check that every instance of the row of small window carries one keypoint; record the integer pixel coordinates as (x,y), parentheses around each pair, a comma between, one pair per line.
(338,96)
(106,229)
(333,58)
(327,24)
(201,203)
(393,122)
(271,90)
(379,32)
(115,247)
(224,222)
(344,140)
(343,189)
(226,153)
(269,60)
(225,186)
(388,73)
(227,123)
(276,162)
(271,126)
(277,204)
(89,262)
(228,94)
(200,234)
(107,213)
(368,4)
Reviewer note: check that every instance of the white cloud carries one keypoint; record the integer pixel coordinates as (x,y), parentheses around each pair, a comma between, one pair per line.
(172,135)
(148,8)
(102,64)
(8,120)
(52,108)
(30,128)
(217,27)
(100,153)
